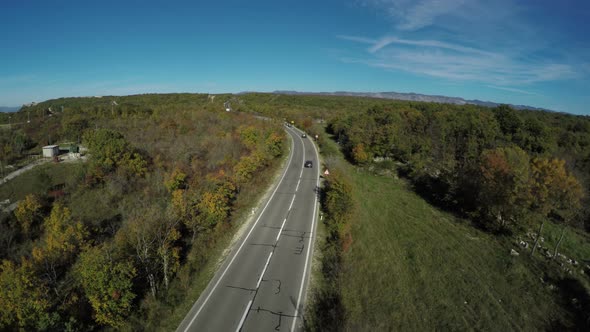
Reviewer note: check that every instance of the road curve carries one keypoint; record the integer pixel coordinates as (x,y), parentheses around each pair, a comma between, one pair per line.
(261,285)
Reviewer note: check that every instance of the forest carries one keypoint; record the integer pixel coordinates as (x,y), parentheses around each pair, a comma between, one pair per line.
(497,166)
(478,216)
(168,177)
(115,241)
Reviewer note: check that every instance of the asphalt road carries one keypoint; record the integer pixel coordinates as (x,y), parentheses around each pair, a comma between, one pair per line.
(261,285)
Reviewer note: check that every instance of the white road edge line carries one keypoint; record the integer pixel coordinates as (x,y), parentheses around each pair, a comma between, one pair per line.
(245,239)
(244,316)
(310,237)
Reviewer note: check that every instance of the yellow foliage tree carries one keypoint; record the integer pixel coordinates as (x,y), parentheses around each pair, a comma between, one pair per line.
(23,297)
(553,189)
(214,207)
(27,212)
(360,154)
(62,240)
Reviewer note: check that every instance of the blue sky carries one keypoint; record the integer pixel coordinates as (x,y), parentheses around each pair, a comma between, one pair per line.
(522,52)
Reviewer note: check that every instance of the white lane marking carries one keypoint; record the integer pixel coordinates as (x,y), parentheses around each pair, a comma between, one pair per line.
(310,238)
(298,182)
(263,270)
(244,316)
(281,230)
(250,303)
(245,239)
(293,200)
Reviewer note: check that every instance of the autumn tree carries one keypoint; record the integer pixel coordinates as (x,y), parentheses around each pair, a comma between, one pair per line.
(213,208)
(307,123)
(151,236)
(23,296)
(274,144)
(360,155)
(176,180)
(28,212)
(249,136)
(107,283)
(63,238)
(337,200)
(552,190)
(504,179)
(133,164)
(247,166)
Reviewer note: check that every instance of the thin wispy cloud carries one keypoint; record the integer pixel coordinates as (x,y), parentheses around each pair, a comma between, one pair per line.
(457,62)
(358,39)
(386,41)
(413,15)
(513,90)
(490,42)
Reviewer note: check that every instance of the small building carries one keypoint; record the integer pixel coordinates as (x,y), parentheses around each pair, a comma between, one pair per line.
(50,151)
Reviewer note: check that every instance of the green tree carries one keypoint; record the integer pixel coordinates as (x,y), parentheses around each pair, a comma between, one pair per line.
(73,127)
(509,120)
(23,296)
(108,285)
(110,150)
(536,137)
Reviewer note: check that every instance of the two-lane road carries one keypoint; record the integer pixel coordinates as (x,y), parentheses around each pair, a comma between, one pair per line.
(261,285)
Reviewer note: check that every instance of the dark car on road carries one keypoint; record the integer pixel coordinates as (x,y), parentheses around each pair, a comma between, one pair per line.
(303,135)
(308,164)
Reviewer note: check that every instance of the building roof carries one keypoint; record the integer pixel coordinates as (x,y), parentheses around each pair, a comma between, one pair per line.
(50,146)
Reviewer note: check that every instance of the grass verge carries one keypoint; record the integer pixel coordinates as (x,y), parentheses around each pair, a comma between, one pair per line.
(411,266)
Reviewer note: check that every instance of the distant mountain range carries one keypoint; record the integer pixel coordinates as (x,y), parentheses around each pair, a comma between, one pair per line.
(383,95)
(8,109)
(411,97)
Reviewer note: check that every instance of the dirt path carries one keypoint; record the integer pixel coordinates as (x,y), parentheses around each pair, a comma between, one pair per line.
(24,169)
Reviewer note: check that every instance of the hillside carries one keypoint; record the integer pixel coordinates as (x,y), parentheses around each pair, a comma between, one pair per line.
(426,203)
(407,265)
(412,97)
(120,240)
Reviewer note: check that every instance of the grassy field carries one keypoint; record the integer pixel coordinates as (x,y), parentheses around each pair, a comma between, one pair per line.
(38,180)
(413,267)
